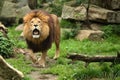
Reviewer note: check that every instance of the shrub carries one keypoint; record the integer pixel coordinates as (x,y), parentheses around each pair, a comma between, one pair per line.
(78,2)
(56,9)
(73,26)
(70,34)
(67,24)
(110,30)
(57,5)
(6,47)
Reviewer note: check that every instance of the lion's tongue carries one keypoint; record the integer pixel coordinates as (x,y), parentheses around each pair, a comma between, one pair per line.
(36,34)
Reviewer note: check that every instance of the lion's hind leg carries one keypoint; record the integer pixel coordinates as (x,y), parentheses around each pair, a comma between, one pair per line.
(57,42)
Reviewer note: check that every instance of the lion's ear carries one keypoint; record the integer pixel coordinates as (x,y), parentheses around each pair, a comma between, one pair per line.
(28,17)
(25,19)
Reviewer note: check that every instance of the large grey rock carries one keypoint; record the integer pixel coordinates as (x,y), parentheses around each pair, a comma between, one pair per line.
(19,27)
(89,34)
(95,14)
(8,72)
(109,4)
(13,10)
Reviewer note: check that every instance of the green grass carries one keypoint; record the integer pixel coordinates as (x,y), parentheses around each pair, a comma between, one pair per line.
(15,36)
(64,68)
(20,63)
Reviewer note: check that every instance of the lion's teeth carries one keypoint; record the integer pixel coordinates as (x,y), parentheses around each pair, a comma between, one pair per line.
(36,36)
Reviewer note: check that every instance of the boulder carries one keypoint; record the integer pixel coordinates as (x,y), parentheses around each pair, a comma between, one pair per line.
(69,12)
(19,27)
(109,4)
(89,34)
(8,72)
(93,26)
(96,14)
(32,4)
(12,11)
(3,30)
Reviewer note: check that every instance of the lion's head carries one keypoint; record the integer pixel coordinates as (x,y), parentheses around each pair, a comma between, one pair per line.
(36,26)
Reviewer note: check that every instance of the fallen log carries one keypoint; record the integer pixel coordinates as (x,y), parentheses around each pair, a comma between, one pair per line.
(7,72)
(89,59)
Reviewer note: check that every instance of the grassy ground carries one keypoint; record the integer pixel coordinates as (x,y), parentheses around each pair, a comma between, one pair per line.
(64,68)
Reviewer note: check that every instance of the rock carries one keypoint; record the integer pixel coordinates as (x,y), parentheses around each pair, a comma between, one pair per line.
(95,14)
(22,35)
(93,26)
(1,4)
(109,4)
(32,4)
(3,30)
(89,34)
(12,11)
(7,72)
(69,12)
(19,27)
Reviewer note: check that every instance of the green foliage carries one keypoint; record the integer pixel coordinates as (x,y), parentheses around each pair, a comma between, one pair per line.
(70,34)
(6,47)
(67,24)
(87,73)
(110,30)
(21,64)
(78,2)
(56,6)
(73,28)
(15,36)
(67,70)
(77,70)
(26,78)
(56,9)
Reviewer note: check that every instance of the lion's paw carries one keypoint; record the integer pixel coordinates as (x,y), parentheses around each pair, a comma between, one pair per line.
(56,57)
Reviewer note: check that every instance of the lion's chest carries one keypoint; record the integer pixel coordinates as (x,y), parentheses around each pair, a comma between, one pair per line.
(39,46)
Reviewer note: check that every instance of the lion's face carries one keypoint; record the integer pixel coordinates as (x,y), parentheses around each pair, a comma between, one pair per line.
(35,27)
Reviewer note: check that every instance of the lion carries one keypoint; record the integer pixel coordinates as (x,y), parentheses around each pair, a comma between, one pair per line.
(41,29)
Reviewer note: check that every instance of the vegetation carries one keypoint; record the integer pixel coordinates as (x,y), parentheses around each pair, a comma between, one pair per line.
(111,30)
(56,5)
(67,70)
(64,68)
(71,27)
(6,47)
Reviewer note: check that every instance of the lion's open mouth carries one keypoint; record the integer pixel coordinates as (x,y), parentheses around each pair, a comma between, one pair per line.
(36,33)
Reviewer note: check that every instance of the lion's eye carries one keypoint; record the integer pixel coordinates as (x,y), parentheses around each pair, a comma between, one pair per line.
(31,21)
(38,21)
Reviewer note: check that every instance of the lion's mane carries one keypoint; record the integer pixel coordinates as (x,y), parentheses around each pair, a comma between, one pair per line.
(45,41)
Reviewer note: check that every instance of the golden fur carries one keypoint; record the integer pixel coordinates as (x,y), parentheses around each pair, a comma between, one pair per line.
(48,28)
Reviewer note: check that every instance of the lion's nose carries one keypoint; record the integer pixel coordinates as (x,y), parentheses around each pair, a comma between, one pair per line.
(35,25)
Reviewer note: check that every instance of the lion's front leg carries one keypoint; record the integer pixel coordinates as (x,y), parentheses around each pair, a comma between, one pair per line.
(42,59)
(32,56)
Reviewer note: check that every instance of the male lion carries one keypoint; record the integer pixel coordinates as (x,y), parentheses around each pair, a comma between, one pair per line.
(40,30)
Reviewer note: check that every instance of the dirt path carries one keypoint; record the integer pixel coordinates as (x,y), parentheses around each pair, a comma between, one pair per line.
(36,75)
